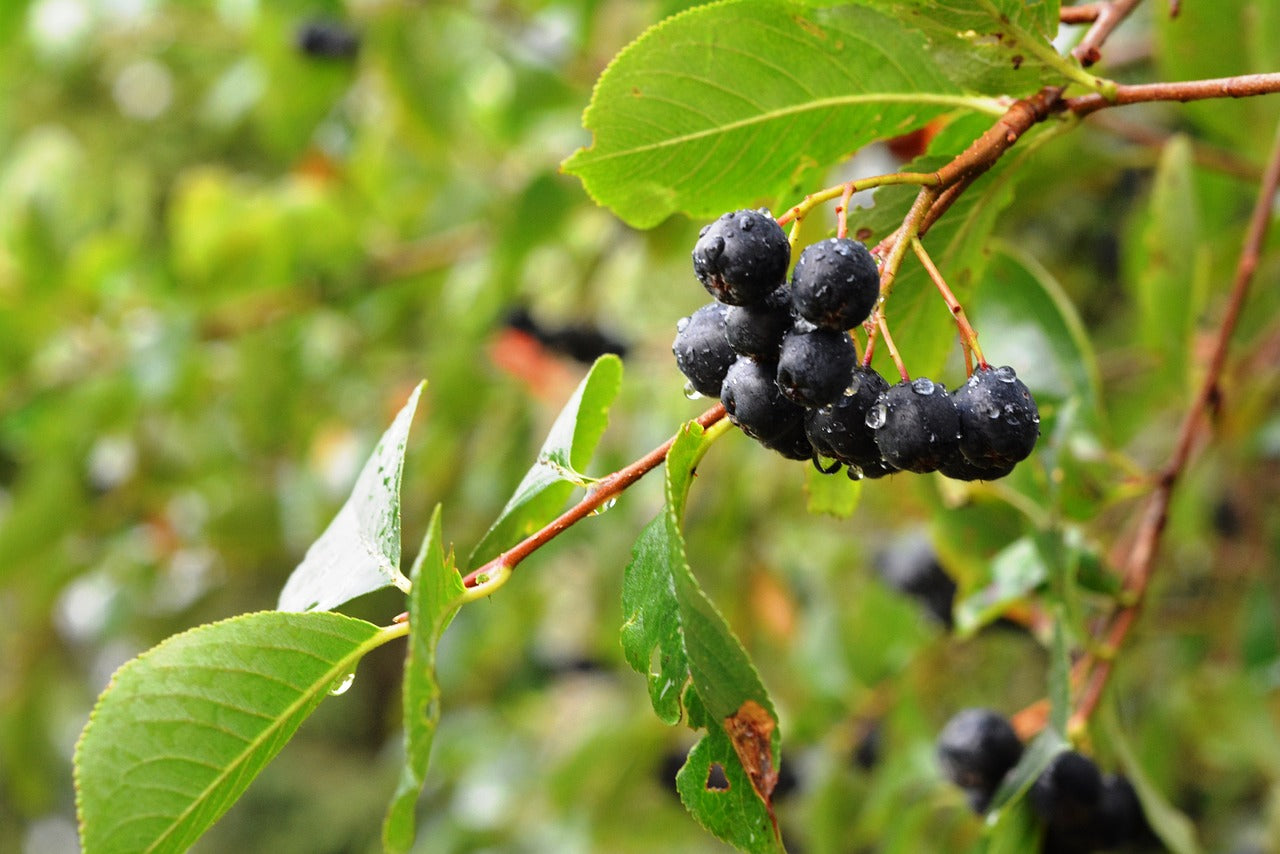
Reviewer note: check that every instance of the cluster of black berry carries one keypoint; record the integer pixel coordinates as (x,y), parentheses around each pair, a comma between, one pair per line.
(779,357)
(1082,809)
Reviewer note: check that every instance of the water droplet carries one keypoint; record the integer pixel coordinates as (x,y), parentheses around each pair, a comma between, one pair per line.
(854,472)
(988,409)
(1012,420)
(714,248)
(1006,374)
(682,324)
(343,685)
(702,232)
(1035,419)
(691,392)
(923,385)
(933,437)
(877,416)
(608,505)
(745,222)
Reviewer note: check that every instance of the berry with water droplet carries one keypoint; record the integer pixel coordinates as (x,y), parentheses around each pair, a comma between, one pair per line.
(999,420)
(756,330)
(841,431)
(742,257)
(814,366)
(835,283)
(702,352)
(920,431)
(752,399)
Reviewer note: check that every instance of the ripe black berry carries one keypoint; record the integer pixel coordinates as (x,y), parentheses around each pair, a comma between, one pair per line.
(702,352)
(1067,792)
(793,444)
(327,40)
(911,566)
(742,257)
(957,467)
(752,399)
(977,748)
(1120,818)
(814,365)
(756,330)
(840,430)
(835,283)
(916,425)
(999,420)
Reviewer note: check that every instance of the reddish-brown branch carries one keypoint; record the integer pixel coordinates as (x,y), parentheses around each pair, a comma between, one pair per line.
(1140,565)
(1109,16)
(1021,116)
(1086,13)
(605,490)
(1242,86)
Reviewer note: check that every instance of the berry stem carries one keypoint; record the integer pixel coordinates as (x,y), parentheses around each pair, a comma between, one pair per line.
(909,229)
(888,343)
(1094,670)
(967,333)
(812,200)
(495,573)
(842,212)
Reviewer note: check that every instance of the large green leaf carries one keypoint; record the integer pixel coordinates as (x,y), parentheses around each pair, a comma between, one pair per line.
(435,598)
(670,622)
(360,550)
(734,102)
(567,450)
(184,728)
(1017,570)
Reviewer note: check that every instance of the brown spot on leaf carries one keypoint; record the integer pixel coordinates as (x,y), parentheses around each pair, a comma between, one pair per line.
(635,92)
(1017,61)
(810,27)
(750,730)
(863,234)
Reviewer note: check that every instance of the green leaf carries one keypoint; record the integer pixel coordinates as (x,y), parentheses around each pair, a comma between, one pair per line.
(433,601)
(567,450)
(737,101)
(700,667)
(360,550)
(1170,268)
(1175,830)
(833,494)
(1017,570)
(1059,676)
(1037,756)
(184,728)
(1029,321)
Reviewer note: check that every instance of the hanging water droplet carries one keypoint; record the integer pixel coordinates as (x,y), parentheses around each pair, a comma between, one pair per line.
(605,507)
(691,392)
(877,416)
(682,324)
(1006,374)
(1035,419)
(343,685)
(854,472)
(923,385)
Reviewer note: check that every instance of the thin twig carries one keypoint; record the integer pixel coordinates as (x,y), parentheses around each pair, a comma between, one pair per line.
(967,333)
(605,490)
(1140,566)
(1083,14)
(883,325)
(1242,86)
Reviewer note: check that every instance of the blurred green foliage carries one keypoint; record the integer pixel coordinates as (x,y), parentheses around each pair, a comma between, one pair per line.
(224,263)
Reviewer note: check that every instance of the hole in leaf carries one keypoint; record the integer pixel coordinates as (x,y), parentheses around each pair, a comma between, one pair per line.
(717,781)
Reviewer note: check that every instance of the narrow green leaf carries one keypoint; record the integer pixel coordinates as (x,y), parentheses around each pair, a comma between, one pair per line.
(674,635)
(360,550)
(1029,321)
(1059,676)
(1175,830)
(739,100)
(833,494)
(1170,268)
(434,600)
(1017,570)
(1015,831)
(184,728)
(566,452)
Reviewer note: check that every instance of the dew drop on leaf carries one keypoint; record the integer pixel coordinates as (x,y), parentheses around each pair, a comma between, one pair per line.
(343,685)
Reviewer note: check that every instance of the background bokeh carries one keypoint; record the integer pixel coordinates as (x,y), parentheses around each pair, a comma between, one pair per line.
(234,234)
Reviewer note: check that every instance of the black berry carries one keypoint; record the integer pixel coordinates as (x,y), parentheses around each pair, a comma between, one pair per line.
(793,444)
(327,40)
(1067,792)
(1120,817)
(835,283)
(756,330)
(911,566)
(956,467)
(742,257)
(999,420)
(814,367)
(840,430)
(702,352)
(977,748)
(751,397)
(916,425)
